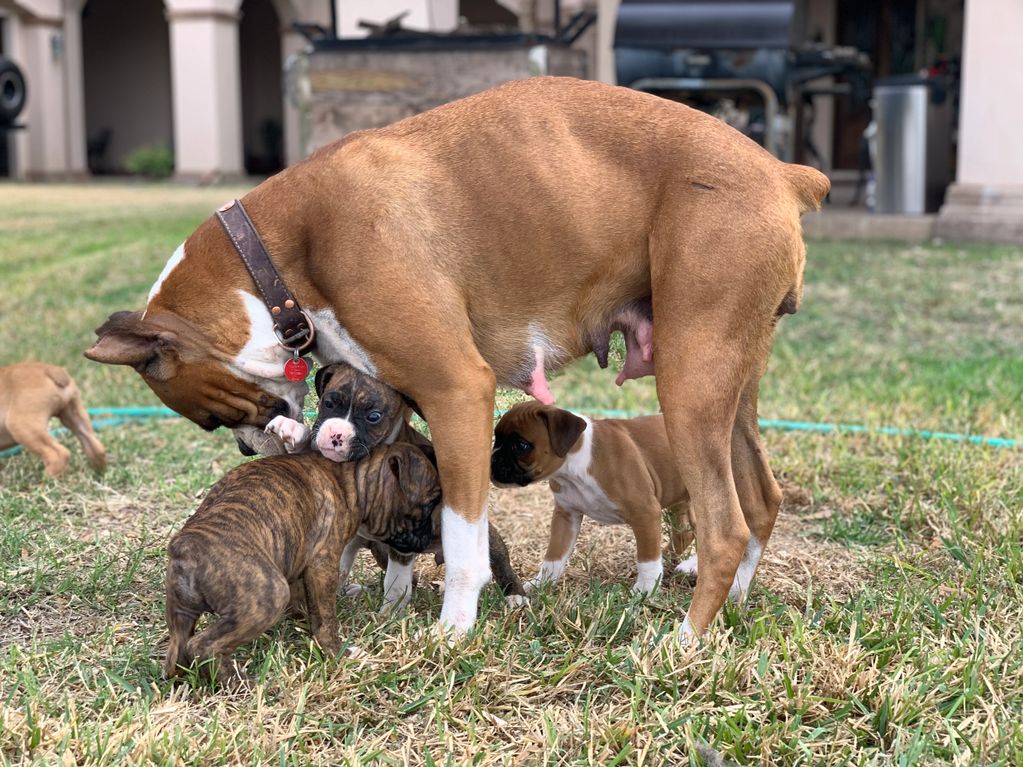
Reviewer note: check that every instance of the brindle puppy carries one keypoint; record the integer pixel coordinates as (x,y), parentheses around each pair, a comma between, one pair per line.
(356,413)
(274,529)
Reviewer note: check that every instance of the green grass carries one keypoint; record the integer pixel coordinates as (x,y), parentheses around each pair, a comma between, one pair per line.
(884,627)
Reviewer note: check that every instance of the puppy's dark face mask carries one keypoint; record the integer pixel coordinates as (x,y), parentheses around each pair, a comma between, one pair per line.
(356,414)
(510,463)
(404,493)
(531,442)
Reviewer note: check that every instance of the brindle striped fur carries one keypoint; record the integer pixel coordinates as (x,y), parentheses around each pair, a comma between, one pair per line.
(277,526)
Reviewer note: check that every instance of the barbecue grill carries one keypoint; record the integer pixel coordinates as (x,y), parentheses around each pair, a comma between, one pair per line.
(742,60)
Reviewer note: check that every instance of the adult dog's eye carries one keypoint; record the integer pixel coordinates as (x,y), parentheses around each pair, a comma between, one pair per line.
(374,416)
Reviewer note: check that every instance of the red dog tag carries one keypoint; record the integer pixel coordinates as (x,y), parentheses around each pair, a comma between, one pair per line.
(296,369)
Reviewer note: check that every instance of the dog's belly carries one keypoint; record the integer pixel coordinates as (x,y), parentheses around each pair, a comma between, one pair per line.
(585,496)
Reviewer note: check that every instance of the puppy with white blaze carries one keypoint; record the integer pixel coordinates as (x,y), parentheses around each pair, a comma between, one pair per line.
(490,241)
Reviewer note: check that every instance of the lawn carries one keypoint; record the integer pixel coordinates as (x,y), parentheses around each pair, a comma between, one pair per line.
(884,626)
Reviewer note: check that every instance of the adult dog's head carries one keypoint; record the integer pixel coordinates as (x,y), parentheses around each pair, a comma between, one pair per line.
(205,343)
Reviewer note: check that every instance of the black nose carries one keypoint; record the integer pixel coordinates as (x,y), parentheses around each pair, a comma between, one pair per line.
(331,400)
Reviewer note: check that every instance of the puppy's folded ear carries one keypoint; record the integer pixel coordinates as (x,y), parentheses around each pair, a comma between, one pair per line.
(412,404)
(322,379)
(126,339)
(563,428)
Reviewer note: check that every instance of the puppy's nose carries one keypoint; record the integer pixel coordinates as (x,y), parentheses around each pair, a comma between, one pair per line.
(337,440)
(330,400)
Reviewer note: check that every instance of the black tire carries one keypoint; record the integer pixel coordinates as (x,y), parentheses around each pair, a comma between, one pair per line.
(12,91)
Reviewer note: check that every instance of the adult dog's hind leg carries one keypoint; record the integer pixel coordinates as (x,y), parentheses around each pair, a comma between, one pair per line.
(714,303)
(759,494)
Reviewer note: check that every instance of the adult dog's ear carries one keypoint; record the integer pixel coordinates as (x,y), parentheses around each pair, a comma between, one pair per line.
(563,428)
(322,378)
(126,339)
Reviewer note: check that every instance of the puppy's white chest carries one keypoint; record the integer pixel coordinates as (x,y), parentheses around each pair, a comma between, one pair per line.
(578,489)
(584,495)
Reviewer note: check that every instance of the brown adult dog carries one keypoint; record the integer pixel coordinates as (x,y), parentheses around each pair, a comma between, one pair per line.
(356,414)
(492,240)
(31,393)
(273,529)
(614,471)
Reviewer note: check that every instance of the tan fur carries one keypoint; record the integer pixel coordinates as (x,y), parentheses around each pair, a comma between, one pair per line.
(31,393)
(442,240)
(631,462)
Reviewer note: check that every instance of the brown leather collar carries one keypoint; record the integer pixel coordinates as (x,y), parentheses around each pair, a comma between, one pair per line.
(294,328)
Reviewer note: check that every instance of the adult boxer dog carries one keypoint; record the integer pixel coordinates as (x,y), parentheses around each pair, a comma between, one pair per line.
(492,240)
(614,471)
(31,393)
(356,414)
(270,533)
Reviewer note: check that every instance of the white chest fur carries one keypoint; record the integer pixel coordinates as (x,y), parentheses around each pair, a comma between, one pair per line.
(578,489)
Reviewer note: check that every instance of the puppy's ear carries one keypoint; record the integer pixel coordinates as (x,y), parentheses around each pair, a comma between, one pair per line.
(126,339)
(563,428)
(430,453)
(322,379)
(412,404)
(394,464)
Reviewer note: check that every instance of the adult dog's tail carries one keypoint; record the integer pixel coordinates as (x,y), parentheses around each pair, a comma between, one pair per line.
(809,185)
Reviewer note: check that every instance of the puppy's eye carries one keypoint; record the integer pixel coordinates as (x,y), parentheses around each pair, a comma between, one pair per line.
(374,416)
(521,446)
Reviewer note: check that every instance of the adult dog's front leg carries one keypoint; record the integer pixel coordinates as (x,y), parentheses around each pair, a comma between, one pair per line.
(461,423)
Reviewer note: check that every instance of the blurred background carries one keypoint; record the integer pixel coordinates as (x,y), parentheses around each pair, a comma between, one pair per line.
(914,108)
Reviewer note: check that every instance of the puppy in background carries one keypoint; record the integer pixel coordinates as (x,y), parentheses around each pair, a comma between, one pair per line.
(615,471)
(356,414)
(270,534)
(31,393)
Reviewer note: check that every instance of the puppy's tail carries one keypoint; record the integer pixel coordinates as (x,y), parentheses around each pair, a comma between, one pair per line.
(809,185)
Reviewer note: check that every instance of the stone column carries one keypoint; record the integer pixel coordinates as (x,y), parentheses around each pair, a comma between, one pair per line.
(607,17)
(986,201)
(295,131)
(74,68)
(41,149)
(206,88)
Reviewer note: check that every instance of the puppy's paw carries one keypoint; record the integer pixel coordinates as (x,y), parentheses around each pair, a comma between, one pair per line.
(293,434)
(645,587)
(356,589)
(516,600)
(687,637)
(687,567)
(534,584)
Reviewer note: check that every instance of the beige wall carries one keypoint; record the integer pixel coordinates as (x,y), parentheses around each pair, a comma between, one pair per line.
(991,107)
(437,15)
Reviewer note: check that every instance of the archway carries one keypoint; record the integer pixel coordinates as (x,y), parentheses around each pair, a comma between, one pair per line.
(126,63)
(259,35)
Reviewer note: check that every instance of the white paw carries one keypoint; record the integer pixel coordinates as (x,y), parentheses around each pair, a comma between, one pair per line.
(293,434)
(648,575)
(645,587)
(687,566)
(356,589)
(353,652)
(516,600)
(686,635)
